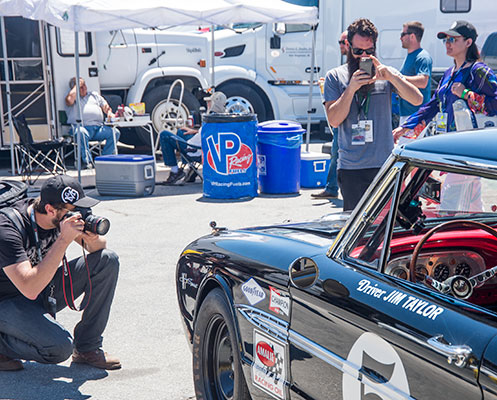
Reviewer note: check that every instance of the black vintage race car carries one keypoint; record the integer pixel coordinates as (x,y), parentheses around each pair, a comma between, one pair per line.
(397,300)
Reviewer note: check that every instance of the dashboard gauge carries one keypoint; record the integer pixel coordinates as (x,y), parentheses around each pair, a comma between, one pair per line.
(400,273)
(441,272)
(421,269)
(463,269)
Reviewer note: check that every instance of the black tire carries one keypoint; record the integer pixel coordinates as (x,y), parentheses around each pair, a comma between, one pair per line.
(156,96)
(250,95)
(217,370)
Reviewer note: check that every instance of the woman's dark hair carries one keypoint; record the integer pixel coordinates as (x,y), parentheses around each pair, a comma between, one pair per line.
(473,54)
(362,27)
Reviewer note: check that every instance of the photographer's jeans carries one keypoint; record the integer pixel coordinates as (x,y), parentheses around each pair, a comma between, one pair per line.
(28,332)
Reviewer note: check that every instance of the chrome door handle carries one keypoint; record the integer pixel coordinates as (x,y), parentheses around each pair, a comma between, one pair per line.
(456,354)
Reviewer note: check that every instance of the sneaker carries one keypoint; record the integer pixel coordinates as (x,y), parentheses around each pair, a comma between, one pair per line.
(174,177)
(324,195)
(190,176)
(96,358)
(9,364)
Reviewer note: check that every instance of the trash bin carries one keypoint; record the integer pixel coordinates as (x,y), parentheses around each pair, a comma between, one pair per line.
(278,156)
(228,149)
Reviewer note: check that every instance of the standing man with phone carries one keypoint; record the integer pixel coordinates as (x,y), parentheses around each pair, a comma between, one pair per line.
(416,68)
(359,105)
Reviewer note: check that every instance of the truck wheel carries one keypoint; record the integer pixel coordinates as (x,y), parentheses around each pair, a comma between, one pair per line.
(217,371)
(163,114)
(245,99)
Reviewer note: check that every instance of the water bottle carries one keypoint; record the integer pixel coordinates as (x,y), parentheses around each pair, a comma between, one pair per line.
(462,115)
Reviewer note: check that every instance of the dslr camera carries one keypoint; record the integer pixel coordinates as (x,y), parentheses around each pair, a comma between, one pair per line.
(93,223)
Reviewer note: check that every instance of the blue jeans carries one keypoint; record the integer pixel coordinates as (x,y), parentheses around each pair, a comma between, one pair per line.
(95,132)
(169,142)
(331,181)
(28,332)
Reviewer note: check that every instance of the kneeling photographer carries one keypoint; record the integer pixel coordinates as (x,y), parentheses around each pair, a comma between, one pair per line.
(36,279)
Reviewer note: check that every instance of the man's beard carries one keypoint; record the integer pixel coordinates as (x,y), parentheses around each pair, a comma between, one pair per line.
(353,66)
(56,220)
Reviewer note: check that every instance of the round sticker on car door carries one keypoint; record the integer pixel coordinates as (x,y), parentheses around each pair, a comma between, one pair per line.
(374,367)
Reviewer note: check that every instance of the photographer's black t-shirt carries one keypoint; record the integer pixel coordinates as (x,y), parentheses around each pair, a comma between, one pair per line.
(13,250)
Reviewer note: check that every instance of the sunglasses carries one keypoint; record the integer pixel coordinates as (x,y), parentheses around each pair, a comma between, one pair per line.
(402,34)
(342,42)
(449,40)
(359,52)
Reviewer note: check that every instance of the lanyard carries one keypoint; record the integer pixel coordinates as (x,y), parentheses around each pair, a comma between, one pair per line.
(51,300)
(34,225)
(442,102)
(362,105)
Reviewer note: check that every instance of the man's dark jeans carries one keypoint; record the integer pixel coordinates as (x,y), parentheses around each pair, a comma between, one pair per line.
(28,332)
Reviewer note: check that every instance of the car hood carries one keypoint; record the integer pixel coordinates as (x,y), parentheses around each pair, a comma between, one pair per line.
(275,245)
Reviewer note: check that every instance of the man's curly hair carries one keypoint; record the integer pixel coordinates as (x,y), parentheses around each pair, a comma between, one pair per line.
(362,27)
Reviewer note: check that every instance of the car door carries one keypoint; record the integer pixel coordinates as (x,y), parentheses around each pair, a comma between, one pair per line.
(355,332)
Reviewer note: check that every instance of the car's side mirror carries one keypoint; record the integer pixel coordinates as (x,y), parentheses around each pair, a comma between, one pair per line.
(303,272)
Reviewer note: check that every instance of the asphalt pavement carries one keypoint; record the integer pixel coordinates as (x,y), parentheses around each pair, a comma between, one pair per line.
(144,329)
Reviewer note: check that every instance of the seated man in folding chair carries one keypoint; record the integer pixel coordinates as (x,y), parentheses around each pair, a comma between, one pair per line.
(188,142)
(93,109)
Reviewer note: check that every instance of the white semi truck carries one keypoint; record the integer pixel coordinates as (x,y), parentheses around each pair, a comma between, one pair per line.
(261,68)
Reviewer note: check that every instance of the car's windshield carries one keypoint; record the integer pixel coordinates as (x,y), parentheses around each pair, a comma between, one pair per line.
(427,197)
(448,194)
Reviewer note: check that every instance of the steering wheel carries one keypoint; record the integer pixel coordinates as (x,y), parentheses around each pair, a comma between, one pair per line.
(462,285)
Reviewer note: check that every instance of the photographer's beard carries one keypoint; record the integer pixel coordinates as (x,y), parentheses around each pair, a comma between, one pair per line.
(61,214)
(353,66)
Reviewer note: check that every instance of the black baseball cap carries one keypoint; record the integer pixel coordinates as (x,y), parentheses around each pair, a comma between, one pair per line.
(65,189)
(460,28)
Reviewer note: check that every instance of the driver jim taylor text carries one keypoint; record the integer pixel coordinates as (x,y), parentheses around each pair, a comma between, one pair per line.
(410,303)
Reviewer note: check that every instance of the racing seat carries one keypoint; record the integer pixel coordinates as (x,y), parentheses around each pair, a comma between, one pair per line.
(40,157)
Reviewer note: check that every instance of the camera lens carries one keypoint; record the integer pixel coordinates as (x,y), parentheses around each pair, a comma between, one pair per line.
(96,224)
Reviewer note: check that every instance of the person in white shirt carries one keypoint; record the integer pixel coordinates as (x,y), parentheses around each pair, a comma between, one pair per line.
(93,109)
(185,137)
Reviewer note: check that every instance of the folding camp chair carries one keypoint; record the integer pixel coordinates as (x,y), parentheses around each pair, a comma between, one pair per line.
(194,163)
(47,156)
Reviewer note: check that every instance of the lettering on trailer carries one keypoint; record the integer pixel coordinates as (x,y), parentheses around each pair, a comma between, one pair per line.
(410,303)
(229,156)
(370,348)
(269,366)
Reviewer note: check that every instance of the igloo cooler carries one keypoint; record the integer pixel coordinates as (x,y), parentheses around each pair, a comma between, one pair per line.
(125,175)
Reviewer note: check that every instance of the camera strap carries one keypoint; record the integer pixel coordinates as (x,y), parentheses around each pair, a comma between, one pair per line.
(66,272)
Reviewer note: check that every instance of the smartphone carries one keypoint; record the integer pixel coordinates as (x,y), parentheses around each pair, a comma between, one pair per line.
(366,64)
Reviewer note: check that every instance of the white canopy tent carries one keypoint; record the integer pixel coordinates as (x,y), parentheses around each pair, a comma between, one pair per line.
(106,15)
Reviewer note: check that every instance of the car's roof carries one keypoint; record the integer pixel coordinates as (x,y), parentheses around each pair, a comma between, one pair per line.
(478,144)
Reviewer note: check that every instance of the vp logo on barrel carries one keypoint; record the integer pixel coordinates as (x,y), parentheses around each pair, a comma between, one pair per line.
(229,155)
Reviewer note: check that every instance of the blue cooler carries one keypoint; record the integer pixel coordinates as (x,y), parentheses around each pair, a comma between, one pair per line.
(125,175)
(278,156)
(228,150)
(314,169)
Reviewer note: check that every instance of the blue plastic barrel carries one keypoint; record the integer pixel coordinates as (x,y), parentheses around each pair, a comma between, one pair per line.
(278,156)
(228,149)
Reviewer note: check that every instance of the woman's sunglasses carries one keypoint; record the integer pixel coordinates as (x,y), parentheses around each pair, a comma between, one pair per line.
(449,40)
(342,42)
(359,52)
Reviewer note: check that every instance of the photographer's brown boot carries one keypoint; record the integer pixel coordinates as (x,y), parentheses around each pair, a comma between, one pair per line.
(9,364)
(96,358)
